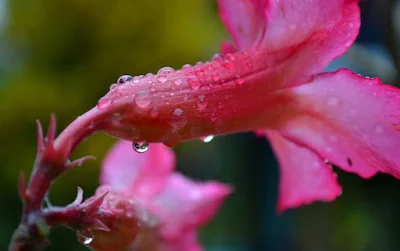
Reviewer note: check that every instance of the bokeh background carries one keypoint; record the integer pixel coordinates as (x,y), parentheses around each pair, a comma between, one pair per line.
(61,56)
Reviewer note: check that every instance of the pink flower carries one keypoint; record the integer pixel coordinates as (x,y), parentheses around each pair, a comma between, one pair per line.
(270,81)
(148,206)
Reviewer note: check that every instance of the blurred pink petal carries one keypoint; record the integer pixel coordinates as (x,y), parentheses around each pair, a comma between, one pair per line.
(185,204)
(143,174)
(179,204)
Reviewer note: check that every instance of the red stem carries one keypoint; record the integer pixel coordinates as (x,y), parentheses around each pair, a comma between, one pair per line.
(51,162)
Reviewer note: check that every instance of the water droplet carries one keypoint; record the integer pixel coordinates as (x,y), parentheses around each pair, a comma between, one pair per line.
(140,147)
(199,63)
(113,86)
(217,56)
(165,70)
(201,102)
(228,65)
(194,83)
(85,237)
(333,101)
(207,139)
(162,79)
(154,112)
(379,129)
(177,81)
(136,79)
(199,73)
(186,66)
(178,119)
(249,65)
(142,99)
(230,57)
(239,80)
(215,78)
(124,78)
(103,103)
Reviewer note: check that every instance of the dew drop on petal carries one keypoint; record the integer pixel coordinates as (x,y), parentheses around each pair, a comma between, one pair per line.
(103,103)
(201,102)
(178,119)
(228,65)
(142,99)
(154,112)
(230,57)
(165,70)
(124,78)
(194,83)
(162,79)
(177,81)
(186,66)
(140,147)
(217,56)
(239,80)
(113,86)
(215,78)
(207,139)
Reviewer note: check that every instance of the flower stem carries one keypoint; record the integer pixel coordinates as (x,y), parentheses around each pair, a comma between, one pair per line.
(51,162)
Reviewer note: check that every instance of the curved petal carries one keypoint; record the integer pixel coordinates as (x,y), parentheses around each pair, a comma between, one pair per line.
(350,120)
(184,205)
(244,19)
(143,174)
(304,176)
(312,32)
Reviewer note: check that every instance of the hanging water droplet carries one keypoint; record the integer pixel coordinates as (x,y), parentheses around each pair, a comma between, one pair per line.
(103,103)
(194,83)
(84,237)
(140,147)
(165,70)
(113,86)
(124,78)
(201,102)
(142,99)
(162,79)
(207,139)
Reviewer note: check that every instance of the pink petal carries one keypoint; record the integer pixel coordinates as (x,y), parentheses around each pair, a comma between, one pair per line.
(312,32)
(143,174)
(184,205)
(350,120)
(187,241)
(244,19)
(304,177)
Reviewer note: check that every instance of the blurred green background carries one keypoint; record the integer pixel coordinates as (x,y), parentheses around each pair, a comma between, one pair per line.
(61,56)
